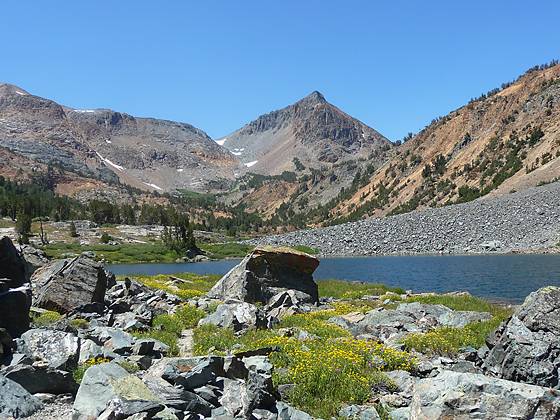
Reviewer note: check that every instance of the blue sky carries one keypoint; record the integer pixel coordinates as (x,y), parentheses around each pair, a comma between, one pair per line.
(219,64)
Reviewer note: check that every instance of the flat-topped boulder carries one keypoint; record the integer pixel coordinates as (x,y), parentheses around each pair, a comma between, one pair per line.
(267,271)
(527,347)
(65,285)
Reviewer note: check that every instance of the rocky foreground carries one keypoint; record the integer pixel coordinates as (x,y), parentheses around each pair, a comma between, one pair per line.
(125,375)
(519,222)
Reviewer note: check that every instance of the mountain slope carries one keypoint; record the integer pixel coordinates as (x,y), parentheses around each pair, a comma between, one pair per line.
(110,146)
(508,139)
(311,133)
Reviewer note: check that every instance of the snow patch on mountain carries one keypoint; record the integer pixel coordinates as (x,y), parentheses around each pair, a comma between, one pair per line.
(108,162)
(152,185)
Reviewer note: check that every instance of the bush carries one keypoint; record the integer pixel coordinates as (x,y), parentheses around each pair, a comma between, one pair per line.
(47,318)
(80,323)
(106,238)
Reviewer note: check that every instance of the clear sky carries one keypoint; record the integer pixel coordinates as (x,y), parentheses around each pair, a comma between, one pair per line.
(395,64)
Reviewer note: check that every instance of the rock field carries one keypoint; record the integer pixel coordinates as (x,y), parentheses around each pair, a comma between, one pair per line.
(518,222)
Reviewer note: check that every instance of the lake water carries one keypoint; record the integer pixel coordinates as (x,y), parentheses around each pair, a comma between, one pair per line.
(502,277)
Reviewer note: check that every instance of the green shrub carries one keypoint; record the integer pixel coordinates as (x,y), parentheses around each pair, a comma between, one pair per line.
(80,323)
(47,318)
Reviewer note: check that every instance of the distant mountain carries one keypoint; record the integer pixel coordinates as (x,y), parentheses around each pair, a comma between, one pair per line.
(311,133)
(146,153)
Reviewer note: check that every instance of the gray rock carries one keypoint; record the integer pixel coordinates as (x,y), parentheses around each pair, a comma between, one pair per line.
(465,396)
(59,349)
(287,412)
(527,347)
(35,258)
(65,285)
(235,314)
(285,303)
(15,401)
(113,339)
(235,399)
(105,383)
(201,374)
(359,412)
(41,379)
(442,314)
(266,272)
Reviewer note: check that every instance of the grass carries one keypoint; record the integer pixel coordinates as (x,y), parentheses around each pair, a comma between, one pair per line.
(449,341)
(226,250)
(122,253)
(342,289)
(307,249)
(194,285)
(167,328)
(328,371)
(458,302)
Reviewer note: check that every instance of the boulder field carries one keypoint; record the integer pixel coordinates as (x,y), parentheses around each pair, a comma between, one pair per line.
(514,375)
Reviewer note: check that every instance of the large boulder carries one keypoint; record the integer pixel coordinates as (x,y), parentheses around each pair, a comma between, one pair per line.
(236,315)
(65,285)
(109,386)
(34,258)
(527,347)
(60,350)
(41,379)
(15,291)
(466,395)
(15,401)
(267,271)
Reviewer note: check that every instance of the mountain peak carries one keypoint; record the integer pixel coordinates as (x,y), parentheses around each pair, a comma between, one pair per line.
(314,97)
(8,89)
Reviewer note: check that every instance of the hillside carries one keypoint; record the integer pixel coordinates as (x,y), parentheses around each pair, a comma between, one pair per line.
(524,221)
(506,140)
(112,147)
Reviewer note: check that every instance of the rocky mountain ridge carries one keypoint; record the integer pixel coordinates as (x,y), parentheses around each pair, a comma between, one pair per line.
(105,145)
(310,133)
